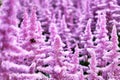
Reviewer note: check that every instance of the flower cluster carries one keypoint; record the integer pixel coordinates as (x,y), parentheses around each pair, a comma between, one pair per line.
(59,40)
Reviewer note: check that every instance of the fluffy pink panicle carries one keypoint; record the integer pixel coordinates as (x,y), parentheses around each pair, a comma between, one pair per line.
(59,39)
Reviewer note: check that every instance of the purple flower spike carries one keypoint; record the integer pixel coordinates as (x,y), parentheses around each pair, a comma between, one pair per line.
(57,43)
(9,12)
(114,39)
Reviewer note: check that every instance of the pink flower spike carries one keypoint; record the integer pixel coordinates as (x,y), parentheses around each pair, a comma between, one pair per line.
(39,35)
(76,55)
(88,32)
(33,20)
(53,31)
(114,39)
(103,24)
(9,8)
(25,19)
(93,62)
(76,59)
(57,43)
(63,24)
(24,25)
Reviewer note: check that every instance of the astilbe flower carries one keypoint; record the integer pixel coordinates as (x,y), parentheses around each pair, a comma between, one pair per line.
(9,49)
(87,38)
(114,45)
(102,39)
(59,40)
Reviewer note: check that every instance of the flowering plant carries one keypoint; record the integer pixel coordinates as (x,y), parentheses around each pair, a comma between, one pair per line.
(59,40)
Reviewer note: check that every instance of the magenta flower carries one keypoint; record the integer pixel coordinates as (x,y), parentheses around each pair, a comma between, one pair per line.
(59,40)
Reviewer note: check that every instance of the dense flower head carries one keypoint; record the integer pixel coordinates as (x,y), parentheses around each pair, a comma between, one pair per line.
(59,40)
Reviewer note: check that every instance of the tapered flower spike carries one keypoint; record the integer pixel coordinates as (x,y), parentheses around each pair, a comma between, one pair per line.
(64,25)
(57,43)
(113,54)
(40,30)
(25,18)
(86,7)
(103,29)
(102,39)
(24,25)
(76,59)
(88,27)
(88,33)
(87,39)
(93,62)
(114,39)
(76,55)
(53,31)
(33,20)
(9,10)
(93,66)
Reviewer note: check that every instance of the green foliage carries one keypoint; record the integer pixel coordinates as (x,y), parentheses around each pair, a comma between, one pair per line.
(84,63)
